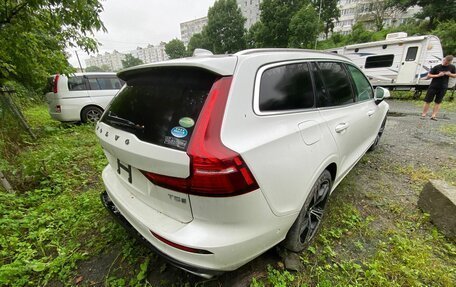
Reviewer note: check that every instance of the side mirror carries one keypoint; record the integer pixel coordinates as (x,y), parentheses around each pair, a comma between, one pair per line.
(381,93)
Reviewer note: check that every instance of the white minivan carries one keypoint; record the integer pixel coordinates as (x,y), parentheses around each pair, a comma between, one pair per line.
(81,96)
(216,159)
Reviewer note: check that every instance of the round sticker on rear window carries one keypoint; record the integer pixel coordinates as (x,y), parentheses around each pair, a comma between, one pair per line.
(179,132)
(187,122)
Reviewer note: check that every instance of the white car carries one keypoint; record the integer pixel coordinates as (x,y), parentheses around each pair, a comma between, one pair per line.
(216,159)
(81,96)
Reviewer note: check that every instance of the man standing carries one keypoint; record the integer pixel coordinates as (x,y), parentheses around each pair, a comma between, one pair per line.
(439,84)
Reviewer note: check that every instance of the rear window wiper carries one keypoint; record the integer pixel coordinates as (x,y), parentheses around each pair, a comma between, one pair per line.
(116,120)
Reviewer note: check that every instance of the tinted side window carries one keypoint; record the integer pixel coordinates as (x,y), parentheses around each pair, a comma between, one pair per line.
(94,84)
(382,61)
(76,83)
(337,83)
(363,90)
(411,54)
(109,83)
(287,87)
(105,83)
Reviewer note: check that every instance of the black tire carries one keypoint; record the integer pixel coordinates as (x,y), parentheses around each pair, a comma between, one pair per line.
(91,114)
(378,137)
(308,222)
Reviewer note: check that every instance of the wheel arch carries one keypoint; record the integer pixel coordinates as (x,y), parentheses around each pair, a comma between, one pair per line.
(88,106)
(332,168)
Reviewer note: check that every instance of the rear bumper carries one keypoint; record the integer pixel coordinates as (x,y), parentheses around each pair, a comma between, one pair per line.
(70,112)
(107,202)
(234,230)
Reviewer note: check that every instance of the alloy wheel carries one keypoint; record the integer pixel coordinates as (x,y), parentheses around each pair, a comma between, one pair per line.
(315,212)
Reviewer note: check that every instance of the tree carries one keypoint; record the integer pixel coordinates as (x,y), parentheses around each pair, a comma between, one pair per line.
(225,27)
(102,68)
(94,69)
(445,31)
(329,14)
(253,37)
(106,68)
(130,61)
(304,27)
(34,35)
(198,40)
(359,34)
(276,16)
(441,10)
(175,49)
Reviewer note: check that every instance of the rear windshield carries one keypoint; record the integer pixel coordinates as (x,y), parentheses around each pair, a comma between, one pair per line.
(161,106)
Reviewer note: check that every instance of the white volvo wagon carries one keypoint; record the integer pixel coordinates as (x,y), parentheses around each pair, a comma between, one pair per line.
(215,159)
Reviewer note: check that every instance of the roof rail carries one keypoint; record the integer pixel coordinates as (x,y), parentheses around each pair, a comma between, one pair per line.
(269,50)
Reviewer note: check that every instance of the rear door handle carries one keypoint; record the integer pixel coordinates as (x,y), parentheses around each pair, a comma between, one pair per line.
(370,113)
(341,127)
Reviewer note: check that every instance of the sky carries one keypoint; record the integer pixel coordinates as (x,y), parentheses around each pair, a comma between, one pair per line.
(136,23)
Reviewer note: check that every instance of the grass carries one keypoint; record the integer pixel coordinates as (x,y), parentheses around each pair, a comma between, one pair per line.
(54,220)
(54,230)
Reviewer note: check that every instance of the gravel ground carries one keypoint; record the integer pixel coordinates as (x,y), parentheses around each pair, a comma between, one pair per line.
(410,139)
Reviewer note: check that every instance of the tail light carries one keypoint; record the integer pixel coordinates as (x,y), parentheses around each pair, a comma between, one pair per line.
(56,81)
(215,170)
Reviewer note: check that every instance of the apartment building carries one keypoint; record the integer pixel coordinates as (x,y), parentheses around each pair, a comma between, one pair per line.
(151,53)
(250,10)
(113,60)
(190,28)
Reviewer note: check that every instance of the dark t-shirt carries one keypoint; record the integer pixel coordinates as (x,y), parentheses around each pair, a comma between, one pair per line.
(441,82)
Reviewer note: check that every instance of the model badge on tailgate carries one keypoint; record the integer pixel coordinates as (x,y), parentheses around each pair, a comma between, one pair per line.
(126,168)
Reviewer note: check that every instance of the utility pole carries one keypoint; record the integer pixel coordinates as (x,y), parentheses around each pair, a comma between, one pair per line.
(80,66)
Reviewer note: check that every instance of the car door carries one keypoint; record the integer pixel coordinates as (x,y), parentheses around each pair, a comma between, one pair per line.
(369,111)
(342,115)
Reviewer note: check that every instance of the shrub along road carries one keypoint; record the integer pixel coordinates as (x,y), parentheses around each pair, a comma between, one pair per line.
(55,232)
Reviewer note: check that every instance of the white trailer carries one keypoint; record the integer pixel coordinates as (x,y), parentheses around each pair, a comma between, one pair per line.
(398,62)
